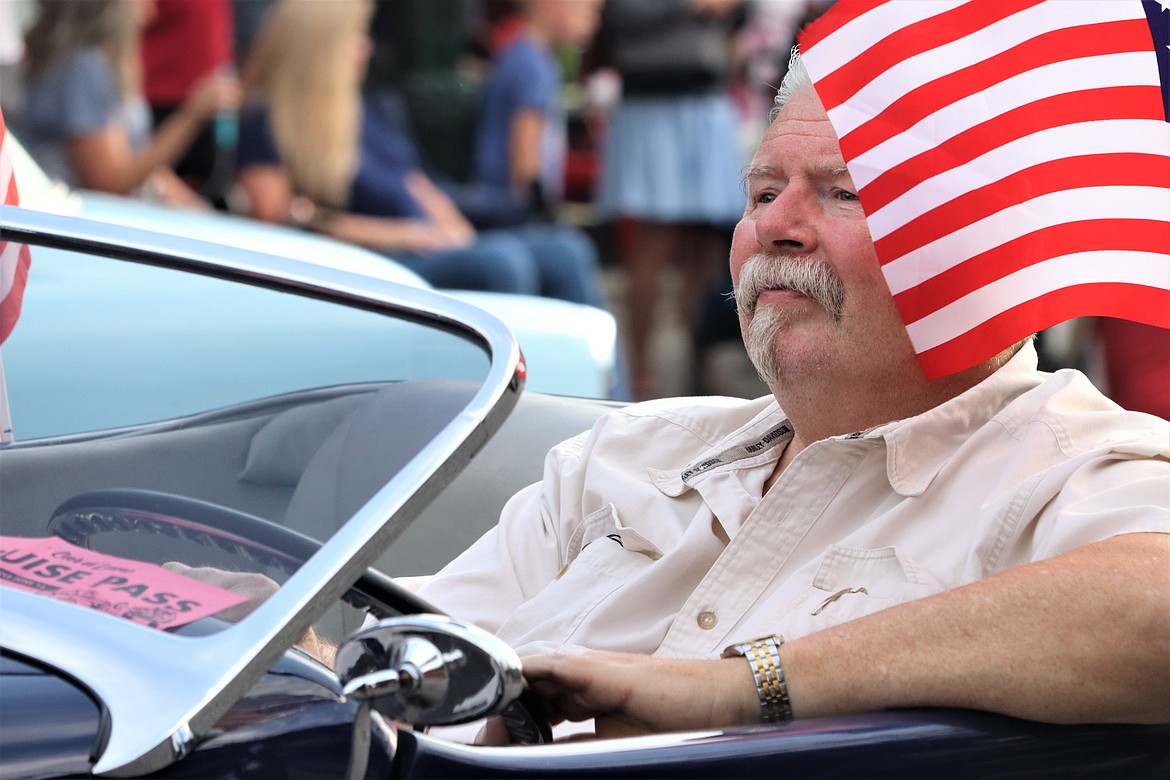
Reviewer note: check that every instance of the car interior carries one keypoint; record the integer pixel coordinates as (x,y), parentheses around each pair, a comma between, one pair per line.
(279,421)
(307,461)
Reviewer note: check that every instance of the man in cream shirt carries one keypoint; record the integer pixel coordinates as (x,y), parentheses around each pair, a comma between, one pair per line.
(865,538)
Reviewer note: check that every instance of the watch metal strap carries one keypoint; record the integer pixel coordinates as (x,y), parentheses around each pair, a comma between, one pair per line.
(763,656)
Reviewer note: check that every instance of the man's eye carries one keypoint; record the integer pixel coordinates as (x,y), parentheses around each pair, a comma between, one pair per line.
(765,197)
(849,197)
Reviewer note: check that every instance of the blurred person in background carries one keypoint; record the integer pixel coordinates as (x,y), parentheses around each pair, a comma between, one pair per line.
(518,165)
(247,20)
(313,152)
(11,53)
(671,161)
(764,44)
(760,55)
(201,30)
(84,117)
(520,133)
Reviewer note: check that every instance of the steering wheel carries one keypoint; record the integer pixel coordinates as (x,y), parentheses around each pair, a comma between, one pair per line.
(252,538)
(259,541)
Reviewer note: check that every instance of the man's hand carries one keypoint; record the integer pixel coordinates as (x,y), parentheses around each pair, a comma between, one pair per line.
(257,589)
(631,694)
(214,93)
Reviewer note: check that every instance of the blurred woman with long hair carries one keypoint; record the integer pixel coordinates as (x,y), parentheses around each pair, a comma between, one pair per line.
(315,153)
(305,70)
(84,117)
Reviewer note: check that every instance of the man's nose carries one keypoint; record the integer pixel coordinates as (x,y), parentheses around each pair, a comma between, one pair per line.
(786,224)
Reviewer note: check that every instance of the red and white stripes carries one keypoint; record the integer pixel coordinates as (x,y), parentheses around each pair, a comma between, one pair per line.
(1012,157)
(14,258)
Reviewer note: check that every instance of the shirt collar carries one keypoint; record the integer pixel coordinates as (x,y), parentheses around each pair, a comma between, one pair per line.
(916,448)
(757,441)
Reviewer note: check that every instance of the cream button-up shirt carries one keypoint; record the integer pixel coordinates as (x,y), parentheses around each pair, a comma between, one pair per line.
(652,532)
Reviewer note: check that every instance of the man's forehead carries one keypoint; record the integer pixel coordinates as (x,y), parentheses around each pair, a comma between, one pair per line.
(804,115)
(801,130)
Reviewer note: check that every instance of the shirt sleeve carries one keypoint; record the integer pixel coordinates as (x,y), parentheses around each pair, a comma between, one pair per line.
(88,95)
(380,190)
(385,133)
(386,157)
(1121,492)
(532,84)
(256,145)
(517,558)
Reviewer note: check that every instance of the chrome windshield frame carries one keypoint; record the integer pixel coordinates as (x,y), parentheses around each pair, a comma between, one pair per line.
(162,692)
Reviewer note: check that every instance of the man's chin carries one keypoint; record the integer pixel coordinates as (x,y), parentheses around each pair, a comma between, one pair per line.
(760,333)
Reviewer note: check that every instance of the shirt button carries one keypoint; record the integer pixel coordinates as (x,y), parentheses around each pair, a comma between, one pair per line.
(707,620)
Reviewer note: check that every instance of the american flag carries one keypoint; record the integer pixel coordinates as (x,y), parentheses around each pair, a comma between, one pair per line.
(14,257)
(1012,158)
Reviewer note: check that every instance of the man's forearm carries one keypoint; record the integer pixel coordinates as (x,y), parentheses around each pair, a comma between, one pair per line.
(1083,637)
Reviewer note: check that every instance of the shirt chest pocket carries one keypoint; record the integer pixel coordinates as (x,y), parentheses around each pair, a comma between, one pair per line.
(850,583)
(602,555)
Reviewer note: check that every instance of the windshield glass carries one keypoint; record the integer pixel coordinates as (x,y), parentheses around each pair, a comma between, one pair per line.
(147,379)
(105,343)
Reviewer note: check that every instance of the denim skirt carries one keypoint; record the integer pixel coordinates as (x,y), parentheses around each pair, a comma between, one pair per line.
(673,158)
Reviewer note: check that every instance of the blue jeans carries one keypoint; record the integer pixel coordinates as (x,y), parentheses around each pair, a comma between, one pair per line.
(566,260)
(494,263)
(548,260)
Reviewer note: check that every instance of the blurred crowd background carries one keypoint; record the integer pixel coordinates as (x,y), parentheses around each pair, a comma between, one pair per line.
(588,150)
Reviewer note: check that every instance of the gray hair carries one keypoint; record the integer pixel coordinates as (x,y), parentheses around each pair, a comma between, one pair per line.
(795,80)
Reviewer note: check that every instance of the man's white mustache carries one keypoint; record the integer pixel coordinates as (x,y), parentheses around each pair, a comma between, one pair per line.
(815,280)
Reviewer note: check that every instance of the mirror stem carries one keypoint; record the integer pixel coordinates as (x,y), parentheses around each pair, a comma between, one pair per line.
(359,752)
(406,680)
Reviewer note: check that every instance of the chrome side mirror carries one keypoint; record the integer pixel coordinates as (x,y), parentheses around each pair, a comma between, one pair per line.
(429,670)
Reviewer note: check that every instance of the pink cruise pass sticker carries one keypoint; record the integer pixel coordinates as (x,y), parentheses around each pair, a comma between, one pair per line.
(142,592)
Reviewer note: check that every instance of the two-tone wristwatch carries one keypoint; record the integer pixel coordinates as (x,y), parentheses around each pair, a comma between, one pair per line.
(763,655)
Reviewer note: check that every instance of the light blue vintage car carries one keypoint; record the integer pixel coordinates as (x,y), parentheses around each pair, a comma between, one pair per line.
(570,349)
